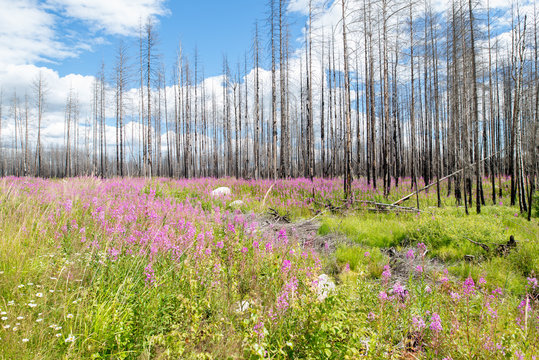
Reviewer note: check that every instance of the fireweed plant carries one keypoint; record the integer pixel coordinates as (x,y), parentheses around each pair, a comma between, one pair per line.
(144,269)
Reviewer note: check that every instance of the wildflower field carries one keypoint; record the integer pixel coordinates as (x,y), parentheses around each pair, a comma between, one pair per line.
(161,269)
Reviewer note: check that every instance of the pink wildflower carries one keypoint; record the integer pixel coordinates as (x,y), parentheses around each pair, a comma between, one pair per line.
(386,274)
(418,323)
(469,286)
(398,289)
(497,292)
(435,323)
(259,329)
(287,264)
(282,236)
(148,271)
(532,282)
(493,313)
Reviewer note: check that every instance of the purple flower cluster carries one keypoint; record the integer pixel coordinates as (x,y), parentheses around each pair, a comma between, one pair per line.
(468,287)
(435,323)
(418,323)
(286,295)
(386,274)
(149,274)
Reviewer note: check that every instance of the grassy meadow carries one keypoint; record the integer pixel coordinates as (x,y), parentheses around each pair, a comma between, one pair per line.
(161,269)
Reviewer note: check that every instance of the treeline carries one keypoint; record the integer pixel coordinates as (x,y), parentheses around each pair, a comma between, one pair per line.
(393,89)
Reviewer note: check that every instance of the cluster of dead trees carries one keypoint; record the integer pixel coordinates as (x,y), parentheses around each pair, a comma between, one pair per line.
(394,89)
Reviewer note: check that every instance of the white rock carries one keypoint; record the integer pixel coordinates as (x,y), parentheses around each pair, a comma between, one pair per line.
(221,191)
(325,287)
(236,204)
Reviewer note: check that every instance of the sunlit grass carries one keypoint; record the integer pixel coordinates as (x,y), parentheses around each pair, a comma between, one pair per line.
(138,269)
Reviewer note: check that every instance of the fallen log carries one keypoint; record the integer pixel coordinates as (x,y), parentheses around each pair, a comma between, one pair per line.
(442,179)
(484,246)
(501,249)
(393,206)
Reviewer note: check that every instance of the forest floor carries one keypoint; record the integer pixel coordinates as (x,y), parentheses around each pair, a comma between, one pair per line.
(161,269)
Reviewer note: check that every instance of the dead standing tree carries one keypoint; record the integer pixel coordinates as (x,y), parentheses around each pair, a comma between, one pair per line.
(40,89)
(347,109)
(149,57)
(475,111)
(121,78)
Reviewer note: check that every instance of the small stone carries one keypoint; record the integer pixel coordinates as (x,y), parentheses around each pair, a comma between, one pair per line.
(236,204)
(221,191)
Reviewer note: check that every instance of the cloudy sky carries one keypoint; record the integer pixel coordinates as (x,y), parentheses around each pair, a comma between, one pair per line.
(67,40)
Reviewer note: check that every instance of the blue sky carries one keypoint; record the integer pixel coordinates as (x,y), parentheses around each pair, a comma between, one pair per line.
(66,40)
(214,27)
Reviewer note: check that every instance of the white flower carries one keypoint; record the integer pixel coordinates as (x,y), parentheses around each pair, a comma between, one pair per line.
(10,303)
(39,320)
(69,316)
(30,284)
(6,326)
(71,338)
(39,295)
(3,313)
(241,306)
(51,290)
(20,286)
(1,272)
(58,335)
(324,287)
(32,305)
(53,278)
(20,317)
(15,328)
(17,324)
(25,340)
(4,318)
(57,328)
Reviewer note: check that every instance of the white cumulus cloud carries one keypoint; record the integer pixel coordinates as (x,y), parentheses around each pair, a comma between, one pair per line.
(27,34)
(117,17)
